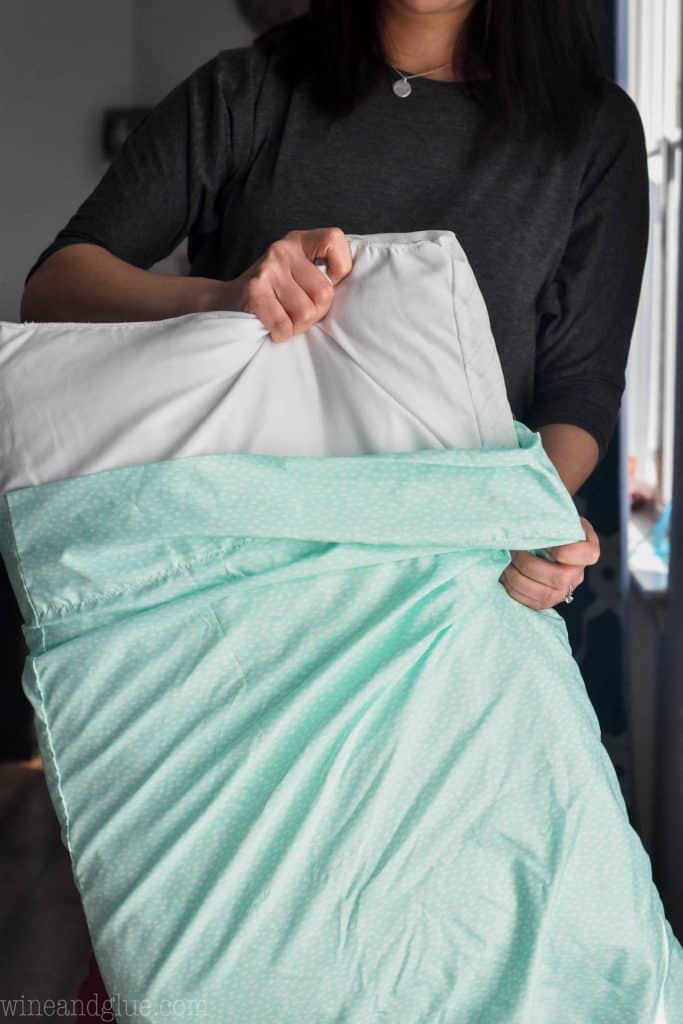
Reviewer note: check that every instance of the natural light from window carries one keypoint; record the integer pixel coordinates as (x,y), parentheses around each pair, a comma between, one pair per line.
(651,73)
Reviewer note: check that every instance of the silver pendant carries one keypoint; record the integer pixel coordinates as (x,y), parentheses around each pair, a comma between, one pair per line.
(402,88)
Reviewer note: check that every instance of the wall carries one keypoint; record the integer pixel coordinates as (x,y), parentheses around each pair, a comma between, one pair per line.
(60,65)
(173,37)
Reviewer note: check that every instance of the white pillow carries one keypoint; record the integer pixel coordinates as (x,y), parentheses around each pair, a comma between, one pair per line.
(403,360)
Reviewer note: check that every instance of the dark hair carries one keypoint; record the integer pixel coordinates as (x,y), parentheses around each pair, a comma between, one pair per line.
(541,58)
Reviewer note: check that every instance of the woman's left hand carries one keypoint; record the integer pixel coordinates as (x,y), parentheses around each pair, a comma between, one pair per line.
(539,583)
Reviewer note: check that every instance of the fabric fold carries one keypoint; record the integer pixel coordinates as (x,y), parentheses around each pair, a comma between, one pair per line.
(91,542)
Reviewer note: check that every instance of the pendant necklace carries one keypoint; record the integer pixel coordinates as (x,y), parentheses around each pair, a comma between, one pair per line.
(402,87)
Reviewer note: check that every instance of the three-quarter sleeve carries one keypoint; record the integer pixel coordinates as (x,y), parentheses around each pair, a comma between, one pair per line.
(586,312)
(163,181)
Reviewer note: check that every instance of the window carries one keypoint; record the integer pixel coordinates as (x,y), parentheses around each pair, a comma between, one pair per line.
(650,70)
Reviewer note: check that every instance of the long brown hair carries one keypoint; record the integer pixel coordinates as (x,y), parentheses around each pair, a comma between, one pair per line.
(542,59)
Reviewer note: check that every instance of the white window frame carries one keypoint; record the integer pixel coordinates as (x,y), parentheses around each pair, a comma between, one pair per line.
(649,68)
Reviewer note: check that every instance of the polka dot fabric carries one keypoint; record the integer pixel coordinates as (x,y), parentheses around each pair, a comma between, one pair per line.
(311,762)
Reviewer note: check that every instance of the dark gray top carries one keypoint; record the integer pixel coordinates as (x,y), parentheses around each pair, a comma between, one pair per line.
(233,158)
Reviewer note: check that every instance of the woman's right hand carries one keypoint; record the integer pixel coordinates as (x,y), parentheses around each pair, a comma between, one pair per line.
(284,288)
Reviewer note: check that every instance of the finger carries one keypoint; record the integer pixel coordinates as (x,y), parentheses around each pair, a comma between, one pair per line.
(580,552)
(302,311)
(332,245)
(518,595)
(552,574)
(553,597)
(271,313)
(319,290)
(273,276)
(537,595)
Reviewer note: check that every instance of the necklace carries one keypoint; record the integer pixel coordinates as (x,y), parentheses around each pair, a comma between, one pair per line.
(403,88)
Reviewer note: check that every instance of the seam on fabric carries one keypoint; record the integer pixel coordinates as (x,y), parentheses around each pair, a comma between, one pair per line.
(264,580)
(398,245)
(90,602)
(123,325)
(465,361)
(660,1011)
(381,388)
(20,570)
(388,244)
(93,600)
(57,774)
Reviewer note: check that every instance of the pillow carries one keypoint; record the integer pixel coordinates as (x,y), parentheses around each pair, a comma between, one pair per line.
(406,361)
(310,760)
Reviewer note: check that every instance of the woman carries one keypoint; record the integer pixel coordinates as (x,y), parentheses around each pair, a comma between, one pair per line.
(486,117)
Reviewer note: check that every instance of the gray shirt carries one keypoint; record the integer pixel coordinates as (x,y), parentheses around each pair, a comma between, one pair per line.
(233,158)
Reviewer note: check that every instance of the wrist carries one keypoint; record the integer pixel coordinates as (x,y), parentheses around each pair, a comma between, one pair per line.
(206,294)
(212,295)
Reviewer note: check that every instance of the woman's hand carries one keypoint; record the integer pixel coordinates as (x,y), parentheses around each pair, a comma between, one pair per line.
(284,288)
(538,583)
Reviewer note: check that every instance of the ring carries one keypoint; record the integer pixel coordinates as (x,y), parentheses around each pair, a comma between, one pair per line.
(569,598)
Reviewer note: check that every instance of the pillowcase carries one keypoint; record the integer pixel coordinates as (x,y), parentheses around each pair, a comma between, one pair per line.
(311,762)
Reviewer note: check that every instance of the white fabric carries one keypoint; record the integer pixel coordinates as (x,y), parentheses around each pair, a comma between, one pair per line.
(79,398)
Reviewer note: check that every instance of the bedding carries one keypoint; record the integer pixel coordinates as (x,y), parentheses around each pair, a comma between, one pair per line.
(310,761)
